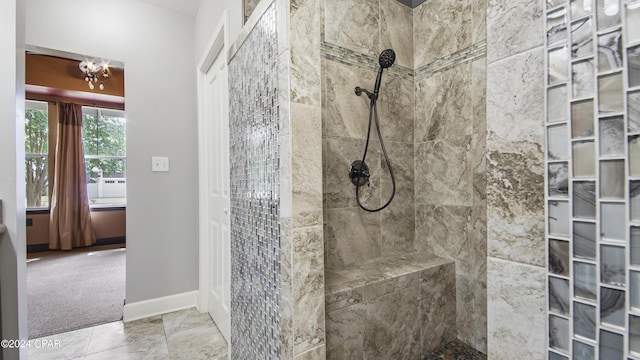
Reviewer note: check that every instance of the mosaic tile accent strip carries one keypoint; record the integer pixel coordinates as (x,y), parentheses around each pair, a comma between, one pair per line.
(349,57)
(473,52)
(594,277)
(255,197)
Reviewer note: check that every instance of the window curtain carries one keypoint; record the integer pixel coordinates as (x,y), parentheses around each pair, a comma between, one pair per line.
(70,217)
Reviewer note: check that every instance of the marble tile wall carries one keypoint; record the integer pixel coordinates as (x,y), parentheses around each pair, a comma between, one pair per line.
(371,315)
(301,137)
(432,112)
(516,314)
(450,150)
(593,187)
(354,33)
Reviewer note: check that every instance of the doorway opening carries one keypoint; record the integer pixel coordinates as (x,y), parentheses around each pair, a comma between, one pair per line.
(75,162)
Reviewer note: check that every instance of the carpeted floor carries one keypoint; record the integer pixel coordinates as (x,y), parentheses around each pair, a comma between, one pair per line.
(73,290)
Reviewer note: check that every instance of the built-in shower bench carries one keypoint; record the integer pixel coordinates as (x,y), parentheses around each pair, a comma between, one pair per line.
(395,307)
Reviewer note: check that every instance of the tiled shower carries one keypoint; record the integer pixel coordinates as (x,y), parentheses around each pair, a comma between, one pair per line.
(592,157)
(468,118)
(432,114)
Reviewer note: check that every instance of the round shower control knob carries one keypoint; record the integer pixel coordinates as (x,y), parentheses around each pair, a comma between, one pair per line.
(359,173)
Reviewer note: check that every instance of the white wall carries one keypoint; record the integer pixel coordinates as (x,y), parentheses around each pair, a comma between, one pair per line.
(209,16)
(13,303)
(157,47)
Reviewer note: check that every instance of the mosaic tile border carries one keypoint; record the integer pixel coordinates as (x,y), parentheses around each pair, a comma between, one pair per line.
(346,56)
(349,57)
(473,52)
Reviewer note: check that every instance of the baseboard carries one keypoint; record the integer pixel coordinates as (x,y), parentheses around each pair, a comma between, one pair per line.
(99,242)
(158,306)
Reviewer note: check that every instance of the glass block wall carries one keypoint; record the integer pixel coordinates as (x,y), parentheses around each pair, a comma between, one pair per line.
(593,178)
(255,198)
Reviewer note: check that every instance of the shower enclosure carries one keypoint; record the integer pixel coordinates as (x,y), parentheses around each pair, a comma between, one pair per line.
(338,265)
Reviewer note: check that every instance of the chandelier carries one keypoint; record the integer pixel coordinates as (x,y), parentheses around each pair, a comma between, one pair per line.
(94,73)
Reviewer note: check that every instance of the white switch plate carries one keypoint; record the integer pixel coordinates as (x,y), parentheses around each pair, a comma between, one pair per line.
(160,164)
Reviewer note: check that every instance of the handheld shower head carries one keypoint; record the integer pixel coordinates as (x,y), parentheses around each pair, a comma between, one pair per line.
(387,58)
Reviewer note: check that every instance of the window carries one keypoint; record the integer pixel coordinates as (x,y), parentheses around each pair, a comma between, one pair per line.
(104,141)
(105,155)
(37,153)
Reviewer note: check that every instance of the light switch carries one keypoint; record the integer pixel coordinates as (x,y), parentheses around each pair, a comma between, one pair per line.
(160,164)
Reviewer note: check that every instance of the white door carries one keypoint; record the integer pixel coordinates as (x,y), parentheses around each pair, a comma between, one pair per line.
(217,126)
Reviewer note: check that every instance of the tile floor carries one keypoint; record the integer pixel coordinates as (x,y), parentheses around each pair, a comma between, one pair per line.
(185,334)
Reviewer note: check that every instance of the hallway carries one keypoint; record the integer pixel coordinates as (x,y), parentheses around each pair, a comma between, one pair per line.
(185,334)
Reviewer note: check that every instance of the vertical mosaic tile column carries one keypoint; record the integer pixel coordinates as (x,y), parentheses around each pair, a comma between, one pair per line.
(255,197)
(593,178)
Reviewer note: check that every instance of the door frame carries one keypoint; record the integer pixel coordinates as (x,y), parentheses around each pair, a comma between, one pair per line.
(217,46)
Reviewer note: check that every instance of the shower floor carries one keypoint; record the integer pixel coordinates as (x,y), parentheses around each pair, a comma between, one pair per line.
(455,350)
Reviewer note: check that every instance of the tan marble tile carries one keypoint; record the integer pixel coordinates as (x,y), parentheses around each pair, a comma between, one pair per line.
(203,342)
(317,353)
(345,332)
(477,237)
(515,98)
(517,310)
(283,24)
(396,30)
(444,104)
(465,308)
(351,235)
(152,348)
(373,291)
(338,154)
(401,158)
(478,20)
(73,344)
(515,198)
(515,170)
(512,27)
(440,28)
(184,319)
(396,107)
(443,172)
(479,169)
(135,334)
(286,288)
(286,181)
(341,299)
(305,53)
(346,114)
(392,326)
(308,289)
(479,94)
(353,24)
(306,165)
(397,229)
(284,92)
(438,306)
(442,230)
(480,315)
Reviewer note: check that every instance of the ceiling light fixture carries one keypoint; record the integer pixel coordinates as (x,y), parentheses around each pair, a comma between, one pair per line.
(94,73)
